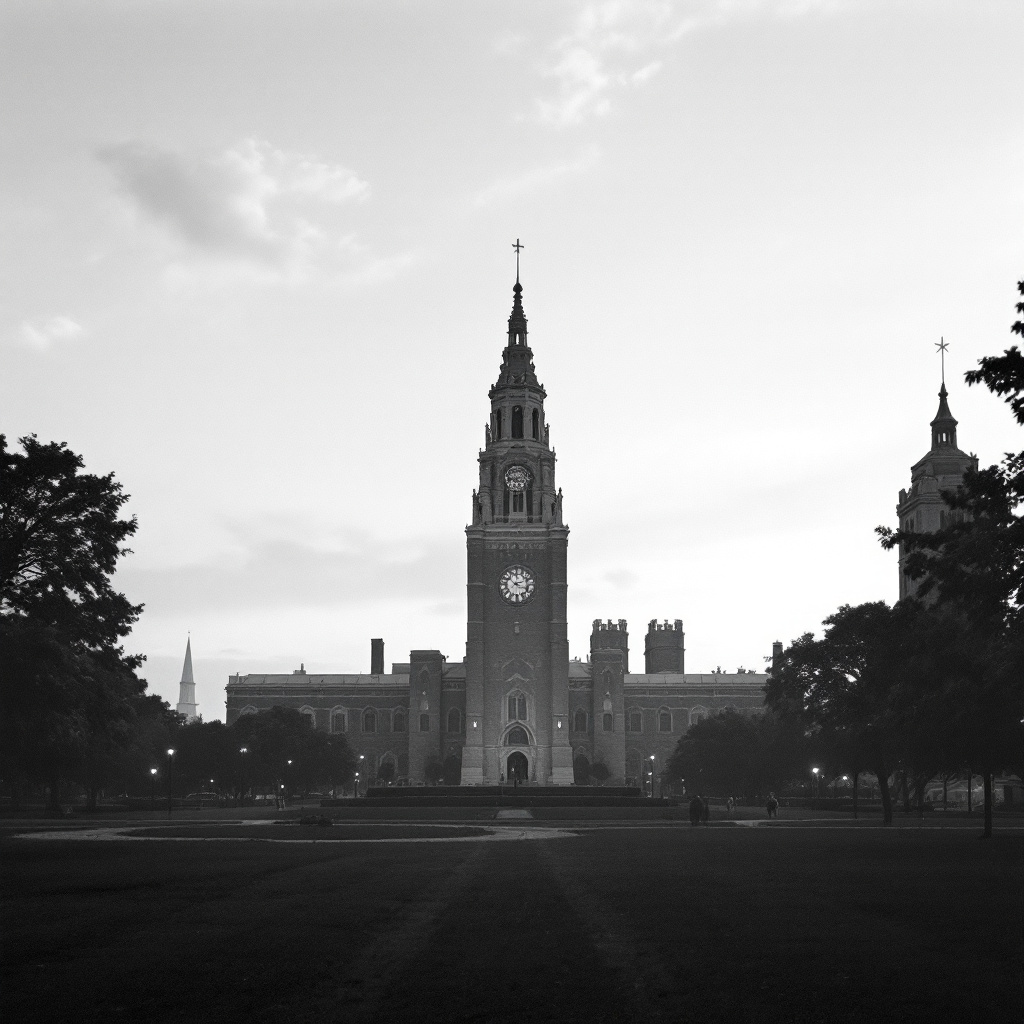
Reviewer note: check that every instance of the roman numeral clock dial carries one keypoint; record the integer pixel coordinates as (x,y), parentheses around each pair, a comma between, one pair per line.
(516,584)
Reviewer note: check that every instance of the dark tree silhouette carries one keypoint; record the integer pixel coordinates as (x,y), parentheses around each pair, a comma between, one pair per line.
(68,692)
(972,573)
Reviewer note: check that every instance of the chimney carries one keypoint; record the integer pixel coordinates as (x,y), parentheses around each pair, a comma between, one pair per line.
(376,657)
(776,653)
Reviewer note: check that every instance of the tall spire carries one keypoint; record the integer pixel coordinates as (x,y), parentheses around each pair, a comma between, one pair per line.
(187,689)
(944,425)
(186,669)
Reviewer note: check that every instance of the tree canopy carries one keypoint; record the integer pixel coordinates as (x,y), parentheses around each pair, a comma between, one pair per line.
(68,692)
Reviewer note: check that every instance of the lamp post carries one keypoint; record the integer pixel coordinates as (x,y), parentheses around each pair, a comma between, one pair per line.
(814,793)
(361,759)
(651,773)
(152,789)
(170,777)
(242,751)
(356,785)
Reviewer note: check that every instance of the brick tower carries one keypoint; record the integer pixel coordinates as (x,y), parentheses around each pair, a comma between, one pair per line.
(921,509)
(517,649)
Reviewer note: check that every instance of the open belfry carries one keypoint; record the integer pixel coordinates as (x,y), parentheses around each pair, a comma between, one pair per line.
(518,707)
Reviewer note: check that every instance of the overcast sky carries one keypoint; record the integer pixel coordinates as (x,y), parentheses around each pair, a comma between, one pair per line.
(257,262)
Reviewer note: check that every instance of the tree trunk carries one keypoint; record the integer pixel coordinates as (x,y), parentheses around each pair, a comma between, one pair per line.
(856,776)
(904,790)
(883,788)
(987,782)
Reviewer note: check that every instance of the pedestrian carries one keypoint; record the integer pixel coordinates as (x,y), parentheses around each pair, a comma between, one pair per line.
(730,804)
(695,810)
(773,806)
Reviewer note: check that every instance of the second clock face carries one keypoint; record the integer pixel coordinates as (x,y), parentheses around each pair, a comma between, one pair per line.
(516,584)
(517,478)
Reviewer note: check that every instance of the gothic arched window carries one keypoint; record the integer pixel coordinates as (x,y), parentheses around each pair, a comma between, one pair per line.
(664,721)
(517,421)
(369,720)
(424,723)
(635,721)
(454,720)
(536,424)
(398,723)
(517,737)
(497,425)
(339,722)
(579,721)
(609,722)
(516,707)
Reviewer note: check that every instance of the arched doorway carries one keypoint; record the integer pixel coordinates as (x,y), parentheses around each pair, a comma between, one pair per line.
(518,767)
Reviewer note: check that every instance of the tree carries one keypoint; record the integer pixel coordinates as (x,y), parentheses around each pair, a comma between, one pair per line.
(972,573)
(67,689)
(732,754)
(846,681)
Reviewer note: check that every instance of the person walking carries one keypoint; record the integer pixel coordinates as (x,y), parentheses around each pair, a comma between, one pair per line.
(695,810)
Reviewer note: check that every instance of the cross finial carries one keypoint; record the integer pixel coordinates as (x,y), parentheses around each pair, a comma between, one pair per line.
(942,345)
(517,245)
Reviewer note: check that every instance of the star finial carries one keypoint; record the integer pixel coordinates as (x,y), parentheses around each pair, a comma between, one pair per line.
(942,345)
(517,245)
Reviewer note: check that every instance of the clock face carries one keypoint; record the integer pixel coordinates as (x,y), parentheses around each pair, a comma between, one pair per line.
(517,478)
(516,584)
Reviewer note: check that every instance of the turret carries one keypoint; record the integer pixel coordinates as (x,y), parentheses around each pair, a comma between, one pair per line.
(610,636)
(663,647)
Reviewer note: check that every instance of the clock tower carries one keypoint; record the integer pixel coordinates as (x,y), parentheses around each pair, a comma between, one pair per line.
(517,649)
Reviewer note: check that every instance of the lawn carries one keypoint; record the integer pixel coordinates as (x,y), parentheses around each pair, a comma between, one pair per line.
(645,921)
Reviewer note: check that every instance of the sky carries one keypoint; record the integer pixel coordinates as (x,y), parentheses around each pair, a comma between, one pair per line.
(256,260)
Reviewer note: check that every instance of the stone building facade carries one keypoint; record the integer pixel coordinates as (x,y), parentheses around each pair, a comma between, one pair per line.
(517,706)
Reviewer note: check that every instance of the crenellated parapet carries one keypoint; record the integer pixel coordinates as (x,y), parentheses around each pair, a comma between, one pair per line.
(664,647)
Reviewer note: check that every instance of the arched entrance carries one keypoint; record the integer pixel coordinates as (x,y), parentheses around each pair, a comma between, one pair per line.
(518,767)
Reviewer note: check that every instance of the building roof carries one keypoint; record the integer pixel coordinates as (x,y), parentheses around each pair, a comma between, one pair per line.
(186,669)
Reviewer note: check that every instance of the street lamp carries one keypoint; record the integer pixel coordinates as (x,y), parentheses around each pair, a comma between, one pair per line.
(242,751)
(152,789)
(651,773)
(170,777)
(357,784)
(814,772)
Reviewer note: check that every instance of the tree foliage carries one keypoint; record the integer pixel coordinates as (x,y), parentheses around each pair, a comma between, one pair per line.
(69,695)
(731,754)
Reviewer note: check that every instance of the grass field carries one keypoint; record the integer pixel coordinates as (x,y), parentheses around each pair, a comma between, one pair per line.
(517,921)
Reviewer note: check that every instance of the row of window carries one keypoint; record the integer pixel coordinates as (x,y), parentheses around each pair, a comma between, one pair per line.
(634,720)
(372,720)
(517,424)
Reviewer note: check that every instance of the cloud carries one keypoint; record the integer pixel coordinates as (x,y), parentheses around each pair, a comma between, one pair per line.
(279,564)
(273,211)
(609,48)
(507,188)
(41,335)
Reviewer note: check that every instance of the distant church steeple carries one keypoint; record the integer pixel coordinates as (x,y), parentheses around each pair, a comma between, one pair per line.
(943,426)
(187,691)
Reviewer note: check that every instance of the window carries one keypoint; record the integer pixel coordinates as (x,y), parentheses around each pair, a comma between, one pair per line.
(310,717)
(695,717)
(517,736)
(369,720)
(339,722)
(454,720)
(517,421)
(424,723)
(516,708)
(579,721)
(664,721)
(609,722)
(536,425)
(497,425)
(385,721)
(399,722)
(635,721)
